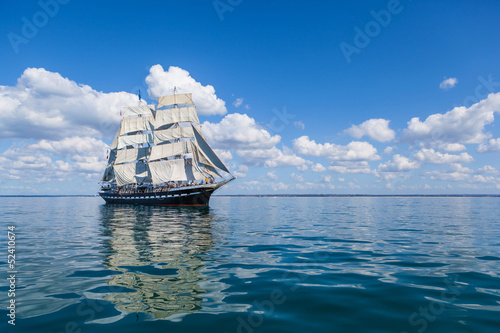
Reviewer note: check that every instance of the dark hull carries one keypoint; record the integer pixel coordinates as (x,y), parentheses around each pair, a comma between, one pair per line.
(187,196)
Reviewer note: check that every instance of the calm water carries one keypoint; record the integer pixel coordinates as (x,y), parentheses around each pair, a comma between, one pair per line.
(255,265)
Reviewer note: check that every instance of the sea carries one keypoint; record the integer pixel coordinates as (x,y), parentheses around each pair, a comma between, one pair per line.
(251,264)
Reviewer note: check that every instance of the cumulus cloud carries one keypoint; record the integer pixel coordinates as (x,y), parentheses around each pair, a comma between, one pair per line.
(492,146)
(162,83)
(460,125)
(238,131)
(224,155)
(45,105)
(354,151)
(299,124)
(376,129)
(55,160)
(272,157)
(450,147)
(298,178)
(318,167)
(487,169)
(446,175)
(398,164)
(350,167)
(448,83)
(433,157)
(237,103)
(271,175)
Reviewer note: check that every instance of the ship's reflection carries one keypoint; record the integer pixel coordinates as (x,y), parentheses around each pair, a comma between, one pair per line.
(158,252)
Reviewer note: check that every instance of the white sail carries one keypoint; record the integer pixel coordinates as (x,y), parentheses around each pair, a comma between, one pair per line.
(138,110)
(131,155)
(171,170)
(131,125)
(176,115)
(124,174)
(130,140)
(175,99)
(205,154)
(161,136)
(170,149)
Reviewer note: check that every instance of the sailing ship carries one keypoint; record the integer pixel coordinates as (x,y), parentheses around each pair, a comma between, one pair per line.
(159,157)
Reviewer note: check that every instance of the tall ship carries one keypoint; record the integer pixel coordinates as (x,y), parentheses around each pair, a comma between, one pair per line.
(160,157)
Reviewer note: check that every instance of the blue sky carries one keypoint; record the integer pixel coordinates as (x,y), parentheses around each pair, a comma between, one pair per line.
(284,57)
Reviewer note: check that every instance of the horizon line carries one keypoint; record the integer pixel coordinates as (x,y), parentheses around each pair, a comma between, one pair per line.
(265,195)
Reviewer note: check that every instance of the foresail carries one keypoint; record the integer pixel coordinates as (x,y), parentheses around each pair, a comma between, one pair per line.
(176,115)
(175,99)
(206,154)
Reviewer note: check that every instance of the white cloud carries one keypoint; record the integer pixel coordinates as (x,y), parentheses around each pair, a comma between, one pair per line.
(388,150)
(350,167)
(238,131)
(327,178)
(298,178)
(453,176)
(460,125)
(224,155)
(488,169)
(318,167)
(398,164)
(239,174)
(271,175)
(299,124)
(354,151)
(460,168)
(431,156)
(237,103)
(450,147)
(485,180)
(302,167)
(271,158)
(376,129)
(279,186)
(73,154)
(45,105)
(161,83)
(448,83)
(492,146)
